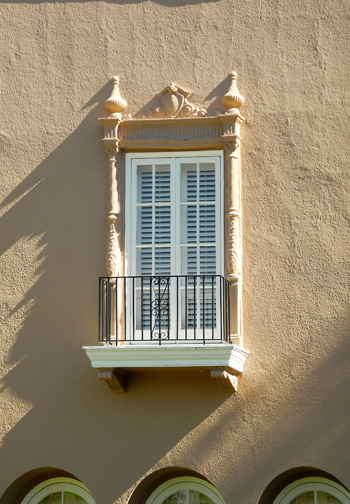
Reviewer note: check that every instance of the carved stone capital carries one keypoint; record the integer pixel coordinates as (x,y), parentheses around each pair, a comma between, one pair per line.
(112,151)
(230,147)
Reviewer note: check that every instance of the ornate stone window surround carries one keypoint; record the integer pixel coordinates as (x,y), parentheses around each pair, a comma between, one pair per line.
(175,124)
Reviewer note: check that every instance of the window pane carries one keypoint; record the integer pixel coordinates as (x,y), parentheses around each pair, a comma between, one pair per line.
(144,184)
(144,261)
(54,498)
(207,182)
(198,498)
(162,181)
(71,498)
(304,498)
(188,182)
(177,498)
(189,224)
(162,261)
(189,261)
(325,498)
(162,224)
(207,223)
(144,226)
(207,260)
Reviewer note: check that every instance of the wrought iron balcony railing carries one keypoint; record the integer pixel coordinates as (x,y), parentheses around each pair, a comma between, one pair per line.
(164,309)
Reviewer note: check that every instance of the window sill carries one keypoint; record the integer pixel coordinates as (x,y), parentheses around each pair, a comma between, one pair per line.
(225,361)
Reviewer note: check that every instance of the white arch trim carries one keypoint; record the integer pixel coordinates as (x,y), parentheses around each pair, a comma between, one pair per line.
(312,484)
(184,483)
(53,485)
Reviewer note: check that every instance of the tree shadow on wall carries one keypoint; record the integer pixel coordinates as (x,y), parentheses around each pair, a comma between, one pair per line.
(281,423)
(57,217)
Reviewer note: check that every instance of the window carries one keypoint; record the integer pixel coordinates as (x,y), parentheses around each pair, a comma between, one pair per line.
(174,218)
(313,491)
(185,490)
(174,244)
(176,279)
(59,491)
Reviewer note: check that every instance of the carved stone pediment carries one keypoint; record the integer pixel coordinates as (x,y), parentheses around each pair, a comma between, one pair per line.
(172,102)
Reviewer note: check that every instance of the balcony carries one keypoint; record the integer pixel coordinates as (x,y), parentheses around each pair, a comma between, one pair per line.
(164,310)
(149,322)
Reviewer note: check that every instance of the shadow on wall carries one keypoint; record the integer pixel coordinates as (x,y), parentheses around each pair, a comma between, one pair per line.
(282,418)
(281,423)
(57,217)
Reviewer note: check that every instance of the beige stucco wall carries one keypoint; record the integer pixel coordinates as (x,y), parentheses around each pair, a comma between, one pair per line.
(293,407)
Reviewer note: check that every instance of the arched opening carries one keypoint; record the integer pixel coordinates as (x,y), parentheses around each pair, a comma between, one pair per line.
(185,490)
(59,491)
(313,490)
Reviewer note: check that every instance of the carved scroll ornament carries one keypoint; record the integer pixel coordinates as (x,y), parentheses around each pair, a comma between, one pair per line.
(173,103)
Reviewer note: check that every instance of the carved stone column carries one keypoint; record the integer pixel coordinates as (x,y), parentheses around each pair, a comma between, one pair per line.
(113,245)
(232,121)
(233,236)
(115,104)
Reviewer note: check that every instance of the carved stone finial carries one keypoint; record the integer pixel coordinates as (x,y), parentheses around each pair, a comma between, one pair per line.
(115,102)
(232,99)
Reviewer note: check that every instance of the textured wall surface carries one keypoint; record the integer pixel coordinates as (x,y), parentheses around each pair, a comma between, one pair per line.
(293,406)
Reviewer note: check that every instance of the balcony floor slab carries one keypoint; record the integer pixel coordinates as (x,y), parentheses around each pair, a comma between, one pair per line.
(223,356)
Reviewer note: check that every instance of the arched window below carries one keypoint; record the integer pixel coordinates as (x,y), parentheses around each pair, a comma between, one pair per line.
(59,491)
(186,490)
(313,491)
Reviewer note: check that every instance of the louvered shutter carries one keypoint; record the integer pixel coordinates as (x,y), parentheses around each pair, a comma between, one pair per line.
(199,211)
(154,219)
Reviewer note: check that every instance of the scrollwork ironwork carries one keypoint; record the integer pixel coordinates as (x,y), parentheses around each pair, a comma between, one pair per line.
(160,308)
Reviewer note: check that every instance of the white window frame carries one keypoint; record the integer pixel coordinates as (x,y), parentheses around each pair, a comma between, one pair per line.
(184,483)
(312,484)
(174,159)
(54,485)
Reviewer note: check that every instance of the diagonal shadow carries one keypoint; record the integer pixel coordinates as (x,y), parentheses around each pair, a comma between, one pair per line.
(57,218)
